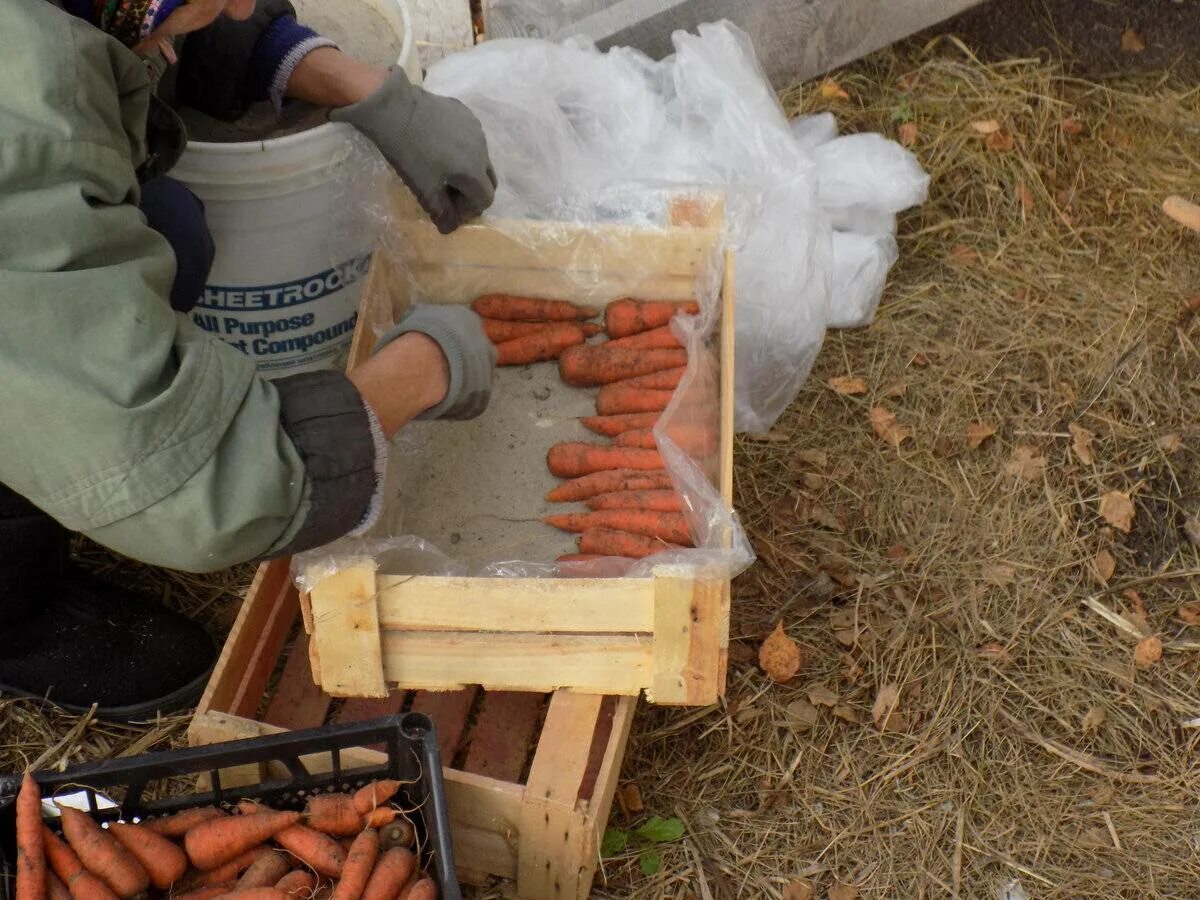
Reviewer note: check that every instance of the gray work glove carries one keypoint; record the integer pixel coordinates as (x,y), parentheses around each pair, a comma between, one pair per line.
(435,144)
(472,358)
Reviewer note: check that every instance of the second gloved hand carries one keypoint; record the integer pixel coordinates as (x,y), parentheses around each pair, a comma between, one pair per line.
(470,355)
(435,144)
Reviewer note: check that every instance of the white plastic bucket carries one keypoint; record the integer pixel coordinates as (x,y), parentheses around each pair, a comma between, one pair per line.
(292,240)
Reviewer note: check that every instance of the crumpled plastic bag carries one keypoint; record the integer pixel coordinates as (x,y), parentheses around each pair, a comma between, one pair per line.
(580,135)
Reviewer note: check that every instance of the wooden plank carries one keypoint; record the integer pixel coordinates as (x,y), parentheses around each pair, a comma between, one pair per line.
(599,749)
(449,711)
(672,639)
(701,673)
(504,734)
(583,605)
(598,808)
(553,832)
(728,361)
(297,702)
(462,284)
(376,307)
(700,210)
(346,632)
(610,664)
(210,728)
(485,820)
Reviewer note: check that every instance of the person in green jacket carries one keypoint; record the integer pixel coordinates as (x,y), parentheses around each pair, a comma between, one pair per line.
(123,420)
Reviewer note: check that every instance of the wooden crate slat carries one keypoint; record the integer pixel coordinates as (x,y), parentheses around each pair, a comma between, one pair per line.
(604,726)
(449,711)
(462,284)
(613,664)
(503,734)
(588,605)
(297,702)
(346,633)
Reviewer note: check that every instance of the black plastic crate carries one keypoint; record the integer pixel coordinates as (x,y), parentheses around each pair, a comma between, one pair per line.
(408,740)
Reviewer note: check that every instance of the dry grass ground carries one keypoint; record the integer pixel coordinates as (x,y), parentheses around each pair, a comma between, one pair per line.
(1039,289)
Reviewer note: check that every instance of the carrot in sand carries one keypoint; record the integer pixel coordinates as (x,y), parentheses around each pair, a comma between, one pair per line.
(218,841)
(31,858)
(179,824)
(333,814)
(611,426)
(627,316)
(609,542)
(617,399)
(608,481)
(572,459)
(360,862)
(666,526)
(499,330)
(659,500)
(391,874)
(102,854)
(590,365)
(163,861)
(82,884)
(319,852)
(643,438)
(659,338)
(544,344)
(527,309)
(663,380)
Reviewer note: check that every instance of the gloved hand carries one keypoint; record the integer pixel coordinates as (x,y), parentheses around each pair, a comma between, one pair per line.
(458,331)
(435,144)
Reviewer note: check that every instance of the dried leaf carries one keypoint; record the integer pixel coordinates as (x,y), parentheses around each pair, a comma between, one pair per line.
(1170,443)
(780,656)
(1117,510)
(841,891)
(999,575)
(1190,613)
(1148,651)
(1131,41)
(631,798)
(959,255)
(1026,463)
(1071,125)
(831,90)
(897,390)
(800,889)
(847,385)
(825,518)
(1081,443)
(801,715)
(1106,565)
(817,458)
(1002,141)
(820,695)
(977,433)
(847,714)
(993,650)
(1025,196)
(985,126)
(920,360)
(896,551)
(908,134)
(1094,719)
(886,703)
(884,423)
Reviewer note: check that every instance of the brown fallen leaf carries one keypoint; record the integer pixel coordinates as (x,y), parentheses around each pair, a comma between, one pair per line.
(993,650)
(1106,565)
(847,714)
(985,126)
(847,385)
(908,134)
(1001,141)
(959,255)
(1093,719)
(885,709)
(780,656)
(800,889)
(1148,651)
(1131,41)
(817,458)
(1170,443)
(977,433)
(823,517)
(841,891)
(820,695)
(631,798)
(1081,443)
(883,421)
(1117,510)
(897,390)
(1026,463)
(1025,196)
(831,90)
(896,551)
(920,360)
(1071,126)
(801,715)
(1189,613)
(999,575)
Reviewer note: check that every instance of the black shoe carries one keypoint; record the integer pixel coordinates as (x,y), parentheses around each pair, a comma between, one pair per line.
(88,642)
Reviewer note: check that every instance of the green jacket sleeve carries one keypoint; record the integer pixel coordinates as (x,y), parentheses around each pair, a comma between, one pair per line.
(123,420)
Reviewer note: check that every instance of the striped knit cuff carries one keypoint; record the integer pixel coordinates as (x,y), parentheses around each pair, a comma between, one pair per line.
(381,459)
(280,49)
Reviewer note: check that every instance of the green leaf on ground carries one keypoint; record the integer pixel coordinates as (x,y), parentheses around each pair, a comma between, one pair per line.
(660,831)
(615,840)
(650,861)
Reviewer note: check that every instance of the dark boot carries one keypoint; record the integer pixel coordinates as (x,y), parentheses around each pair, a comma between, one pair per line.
(76,641)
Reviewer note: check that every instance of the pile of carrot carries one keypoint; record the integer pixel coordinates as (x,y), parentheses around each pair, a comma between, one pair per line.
(342,846)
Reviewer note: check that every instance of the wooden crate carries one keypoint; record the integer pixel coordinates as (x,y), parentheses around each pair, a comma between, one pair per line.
(666,634)
(530,777)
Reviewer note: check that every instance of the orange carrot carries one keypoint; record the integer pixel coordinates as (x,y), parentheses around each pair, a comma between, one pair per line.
(381,816)
(588,365)
(259,893)
(608,481)
(208,892)
(643,438)
(179,824)
(360,861)
(375,794)
(102,854)
(576,557)
(218,841)
(228,871)
(546,344)
(82,884)
(666,526)
(399,833)
(31,858)
(333,814)
(55,889)
(499,331)
(660,500)
(391,873)
(572,459)
(425,889)
(617,399)
(265,871)
(298,883)
(655,339)
(627,316)
(664,380)
(162,860)
(319,852)
(611,426)
(607,542)
(527,309)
